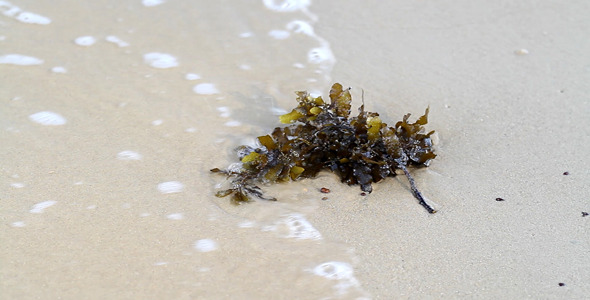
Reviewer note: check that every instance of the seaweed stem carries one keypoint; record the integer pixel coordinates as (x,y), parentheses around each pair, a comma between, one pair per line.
(416,192)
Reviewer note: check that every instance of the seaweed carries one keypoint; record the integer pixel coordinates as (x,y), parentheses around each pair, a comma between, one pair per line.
(360,150)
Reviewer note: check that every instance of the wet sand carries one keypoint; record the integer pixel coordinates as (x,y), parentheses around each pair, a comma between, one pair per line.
(107,193)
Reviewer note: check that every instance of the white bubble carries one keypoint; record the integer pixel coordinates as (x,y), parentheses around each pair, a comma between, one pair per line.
(20,60)
(129,155)
(18,224)
(177,216)
(192,76)
(48,118)
(286,5)
(224,111)
(521,52)
(334,270)
(205,245)
(157,122)
(205,89)
(247,224)
(17,185)
(279,34)
(150,3)
(340,271)
(59,69)
(85,41)
(170,187)
(32,18)
(232,123)
(246,34)
(117,41)
(160,60)
(295,226)
(319,55)
(39,207)
(299,26)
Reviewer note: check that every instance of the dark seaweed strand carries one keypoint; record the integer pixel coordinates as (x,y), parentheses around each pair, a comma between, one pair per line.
(298,151)
(416,192)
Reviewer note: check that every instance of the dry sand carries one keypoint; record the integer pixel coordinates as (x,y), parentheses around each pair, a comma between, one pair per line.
(507,84)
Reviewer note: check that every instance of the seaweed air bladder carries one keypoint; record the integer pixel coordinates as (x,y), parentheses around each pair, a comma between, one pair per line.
(322,136)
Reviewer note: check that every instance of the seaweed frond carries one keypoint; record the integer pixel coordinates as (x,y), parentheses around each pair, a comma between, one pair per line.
(360,150)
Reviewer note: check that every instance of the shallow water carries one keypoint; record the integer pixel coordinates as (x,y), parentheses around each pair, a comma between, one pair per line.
(113,113)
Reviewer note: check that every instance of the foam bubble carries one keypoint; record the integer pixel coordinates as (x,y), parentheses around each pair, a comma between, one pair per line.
(233,123)
(59,69)
(224,111)
(279,34)
(129,155)
(17,185)
(303,27)
(205,245)
(32,18)
(18,224)
(16,12)
(117,41)
(177,216)
(39,207)
(157,122)
(296,227)
(48,118)
(170,187)
(247,224)
(286,5)
(205,89)
(160,60)
(246,34)
(320,55)
(340,271)
(192,76)
(85,41)
(150,3)
(20,60)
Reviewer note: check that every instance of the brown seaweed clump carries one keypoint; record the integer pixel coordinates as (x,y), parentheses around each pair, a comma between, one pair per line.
(361,150)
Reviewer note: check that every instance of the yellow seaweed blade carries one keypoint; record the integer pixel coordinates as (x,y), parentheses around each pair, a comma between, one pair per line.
(296,171)
(315,110)
(340,100)
(374,127)
(267,142)
(250,157)
(291,117)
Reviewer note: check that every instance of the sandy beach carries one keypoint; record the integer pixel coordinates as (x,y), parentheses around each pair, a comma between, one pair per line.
(112,113)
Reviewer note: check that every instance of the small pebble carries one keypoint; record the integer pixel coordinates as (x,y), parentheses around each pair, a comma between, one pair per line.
(325,190)
(324,198)
(566,173)
(584,214)
(363,194)
(499,199)
(561,284)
